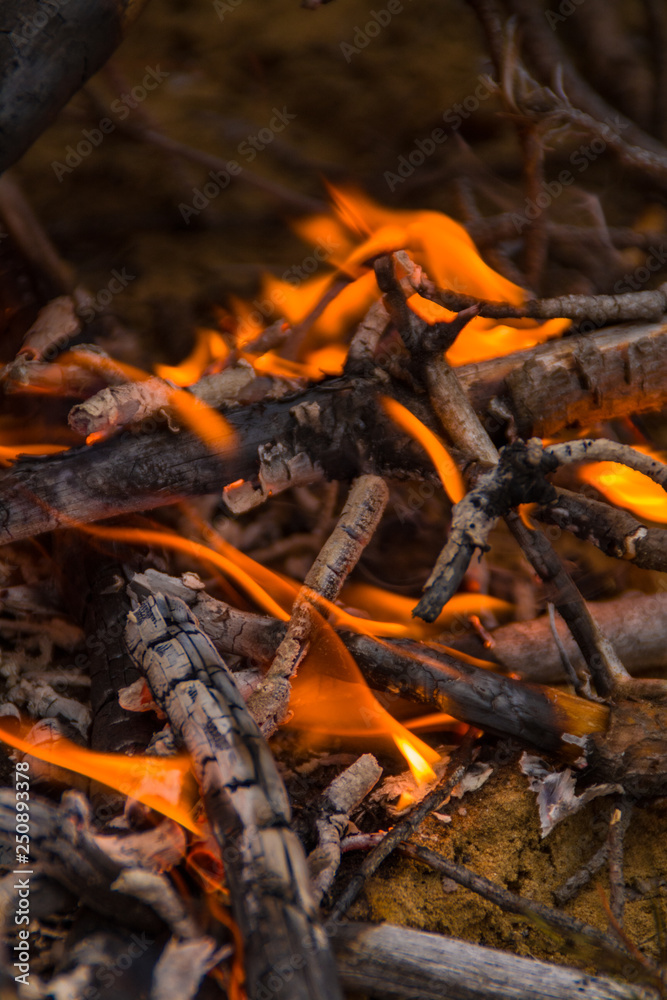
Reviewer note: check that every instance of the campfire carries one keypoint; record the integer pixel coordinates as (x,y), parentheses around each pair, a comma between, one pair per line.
(294,610)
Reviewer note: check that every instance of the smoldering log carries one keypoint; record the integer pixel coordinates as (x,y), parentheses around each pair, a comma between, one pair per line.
(576,380)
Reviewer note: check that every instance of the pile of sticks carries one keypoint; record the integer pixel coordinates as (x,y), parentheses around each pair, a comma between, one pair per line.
(251,900)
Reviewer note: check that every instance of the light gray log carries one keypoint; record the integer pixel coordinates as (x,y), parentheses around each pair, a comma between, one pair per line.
(390,961)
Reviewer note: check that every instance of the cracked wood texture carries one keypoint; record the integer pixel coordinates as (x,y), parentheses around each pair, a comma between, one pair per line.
(246,803)
(577,380)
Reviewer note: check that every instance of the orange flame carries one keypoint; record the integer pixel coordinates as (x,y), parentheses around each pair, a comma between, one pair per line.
(450,476)
(330,695)
(209,347)
(158,782)
(441,246)
(627,487)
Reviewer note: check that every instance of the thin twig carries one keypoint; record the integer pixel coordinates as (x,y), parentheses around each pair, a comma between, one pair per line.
(338,557)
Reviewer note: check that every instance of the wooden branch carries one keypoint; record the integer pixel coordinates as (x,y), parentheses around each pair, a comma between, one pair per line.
(391,961)
(636,625)
(246,801)
(339,555)
(575,932)
(613,530)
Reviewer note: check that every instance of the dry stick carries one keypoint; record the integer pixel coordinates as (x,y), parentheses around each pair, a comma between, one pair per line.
(601,450)
(401,963)
(339,799)
(536,237)
(492,229)
(459,764)
(550,59)
(618,826)
(582,876)
(338,557)
(599,309)
(466,431)
(365,340)
(299,202)
(28,233)
(569,671)
(245,798)
(613,530)
(574,931)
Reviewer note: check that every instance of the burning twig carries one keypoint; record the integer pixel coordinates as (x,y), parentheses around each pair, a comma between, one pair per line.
(246,802)
(339,555)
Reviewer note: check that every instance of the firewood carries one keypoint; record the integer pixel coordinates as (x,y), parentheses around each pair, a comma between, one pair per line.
(398,962)
(246,801)
(337,558)
(130,473)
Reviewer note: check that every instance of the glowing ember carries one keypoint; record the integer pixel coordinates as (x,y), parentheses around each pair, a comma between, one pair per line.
(628,488)
(158,782)
(449,475)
